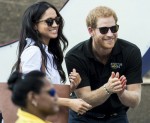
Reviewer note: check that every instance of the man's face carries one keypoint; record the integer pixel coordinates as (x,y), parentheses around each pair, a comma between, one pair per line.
(102,38)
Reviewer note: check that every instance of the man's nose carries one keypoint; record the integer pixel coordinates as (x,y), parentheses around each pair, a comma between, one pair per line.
(109,33)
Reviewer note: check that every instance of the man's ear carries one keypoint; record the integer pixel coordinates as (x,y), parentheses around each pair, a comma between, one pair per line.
(90,31)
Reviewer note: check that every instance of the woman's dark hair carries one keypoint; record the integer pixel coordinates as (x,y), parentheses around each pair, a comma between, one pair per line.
(21,85)
(31,16)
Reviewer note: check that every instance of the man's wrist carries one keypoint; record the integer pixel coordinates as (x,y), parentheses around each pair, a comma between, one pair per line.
(107,91)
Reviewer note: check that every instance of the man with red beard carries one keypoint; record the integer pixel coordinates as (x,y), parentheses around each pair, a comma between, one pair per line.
(110,69)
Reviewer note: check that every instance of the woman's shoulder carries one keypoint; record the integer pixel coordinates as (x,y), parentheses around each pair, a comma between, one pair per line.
(31,51)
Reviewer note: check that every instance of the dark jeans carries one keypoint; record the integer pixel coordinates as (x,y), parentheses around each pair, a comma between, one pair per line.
(74,118)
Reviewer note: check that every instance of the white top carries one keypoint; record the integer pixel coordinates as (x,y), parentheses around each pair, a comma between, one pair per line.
(31,59)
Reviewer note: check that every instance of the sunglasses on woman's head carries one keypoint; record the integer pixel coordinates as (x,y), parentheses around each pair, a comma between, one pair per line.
(50,21)
(104,30)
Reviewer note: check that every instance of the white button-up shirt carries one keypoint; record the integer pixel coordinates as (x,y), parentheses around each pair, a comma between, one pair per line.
(31,59)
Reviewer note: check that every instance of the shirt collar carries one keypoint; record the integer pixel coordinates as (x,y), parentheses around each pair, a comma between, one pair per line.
(88,48)
(117,48)
(31,42)
(45,47)
(26,115)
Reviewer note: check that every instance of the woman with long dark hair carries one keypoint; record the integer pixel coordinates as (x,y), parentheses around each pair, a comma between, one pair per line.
(40,48)
(35,96)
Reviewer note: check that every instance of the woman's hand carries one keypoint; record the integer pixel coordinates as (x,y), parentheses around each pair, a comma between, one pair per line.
(79,106)
(75,80)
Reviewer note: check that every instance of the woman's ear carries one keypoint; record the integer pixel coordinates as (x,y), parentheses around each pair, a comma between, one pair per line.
(32,98)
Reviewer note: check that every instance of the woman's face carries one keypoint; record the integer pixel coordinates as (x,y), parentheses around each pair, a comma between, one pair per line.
(48,25)
(46,100)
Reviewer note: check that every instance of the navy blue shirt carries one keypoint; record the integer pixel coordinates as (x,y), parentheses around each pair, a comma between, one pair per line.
(125,58)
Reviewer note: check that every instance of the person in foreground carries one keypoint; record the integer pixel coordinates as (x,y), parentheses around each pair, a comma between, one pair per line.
(35,96)
(110,69)
(41,38)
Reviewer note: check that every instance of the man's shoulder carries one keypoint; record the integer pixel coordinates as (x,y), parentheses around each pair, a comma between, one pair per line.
(124,44)
(77,49)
